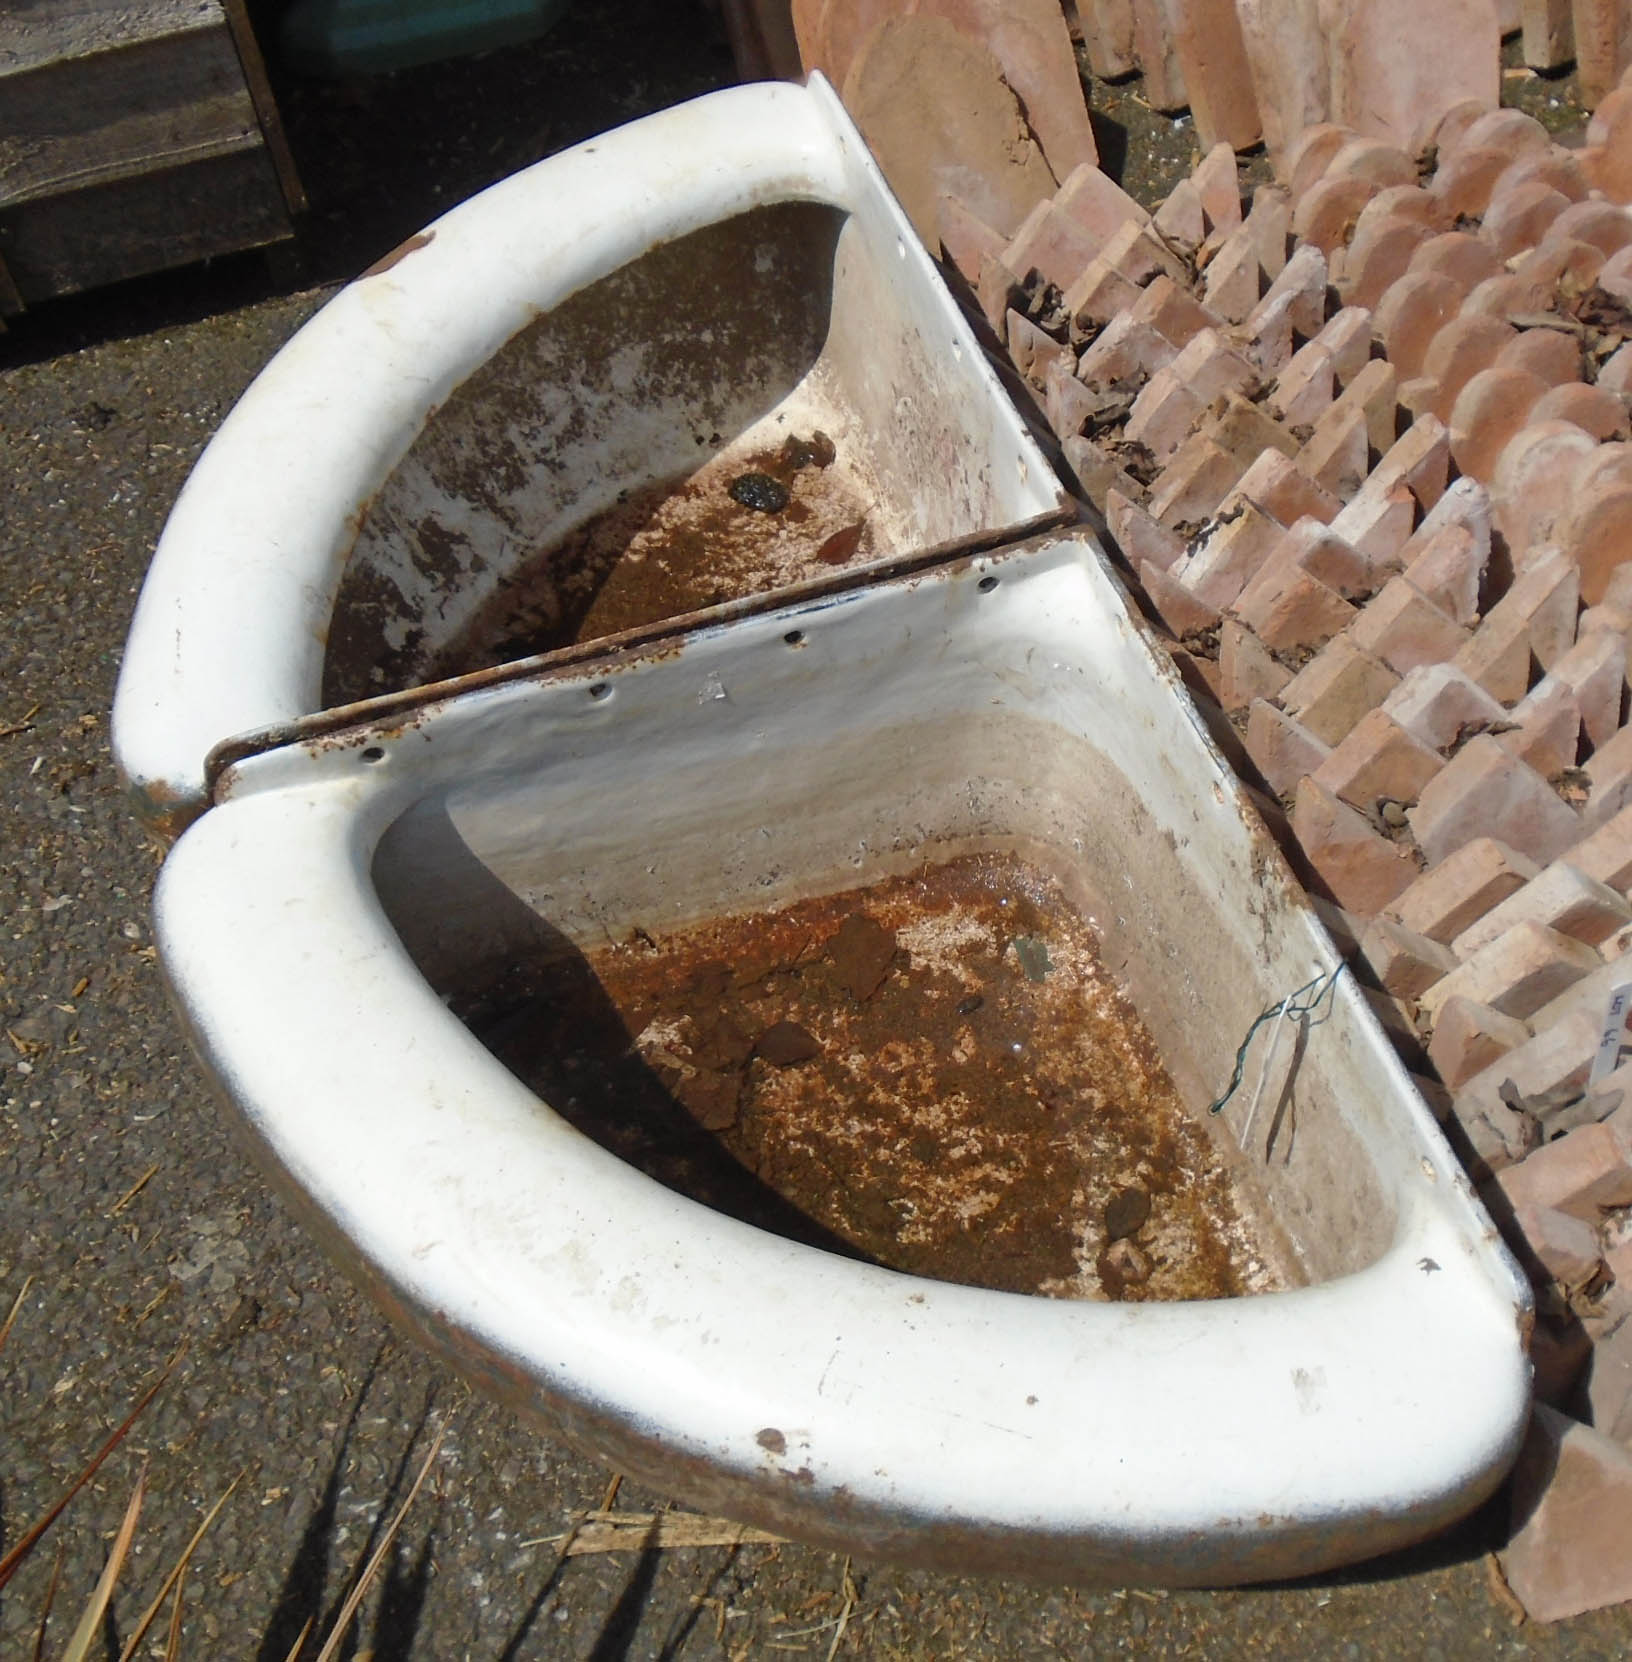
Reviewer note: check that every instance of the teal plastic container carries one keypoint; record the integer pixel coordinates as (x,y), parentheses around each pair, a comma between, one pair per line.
(363,37)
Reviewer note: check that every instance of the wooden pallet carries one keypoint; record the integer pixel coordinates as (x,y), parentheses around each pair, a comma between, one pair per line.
(133,138)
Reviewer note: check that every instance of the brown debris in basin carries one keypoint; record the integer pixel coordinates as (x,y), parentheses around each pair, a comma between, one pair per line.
(740,525)
(935,1073)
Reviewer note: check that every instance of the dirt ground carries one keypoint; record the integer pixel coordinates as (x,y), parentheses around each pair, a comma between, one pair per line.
(139,1226)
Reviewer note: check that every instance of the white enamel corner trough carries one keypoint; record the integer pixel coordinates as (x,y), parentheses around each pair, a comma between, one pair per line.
(341,865)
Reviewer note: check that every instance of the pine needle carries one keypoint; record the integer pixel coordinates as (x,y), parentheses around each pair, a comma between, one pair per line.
(172,1649)
(348,1610)
(45,1610)
(849,1606)
(300,1640)
(643,1531)
(16,1305)
(13,1559)
(79,1647)
(177,1571)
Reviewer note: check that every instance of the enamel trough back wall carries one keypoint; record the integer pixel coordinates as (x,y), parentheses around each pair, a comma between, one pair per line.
(806,777)
(637,381)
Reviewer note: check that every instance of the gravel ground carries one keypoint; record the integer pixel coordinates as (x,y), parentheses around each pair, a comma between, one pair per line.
(138,1225)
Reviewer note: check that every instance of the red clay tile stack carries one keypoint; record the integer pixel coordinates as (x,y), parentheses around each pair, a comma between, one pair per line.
(1247,70)
(1363,441)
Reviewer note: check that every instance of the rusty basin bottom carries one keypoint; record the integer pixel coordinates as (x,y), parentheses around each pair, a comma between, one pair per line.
(934,1073)
(757,516)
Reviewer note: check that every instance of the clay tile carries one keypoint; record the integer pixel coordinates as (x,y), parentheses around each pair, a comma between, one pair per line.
(1492,406)
(1380,165)
(1414,309)
(1554,166)
(1534,484)
(1520,216)
(1552,355)
(1599,223)
(1032,45)
(1378,256)
(1402,202)
(1460,350)
(1561,262)
(1462,185)
(1506,296)
(1463,258)
(1213,61)
(1326,213)
(1595,410)
(1397,66)
(964,117)
(1308,154)
(1450,132)
(1508,129)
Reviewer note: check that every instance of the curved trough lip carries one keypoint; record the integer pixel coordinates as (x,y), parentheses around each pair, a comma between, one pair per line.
(230,629)
(1197,1443)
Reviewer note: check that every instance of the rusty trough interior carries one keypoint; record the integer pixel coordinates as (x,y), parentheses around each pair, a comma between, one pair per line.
(750,405)
(930,993)
(934,1072)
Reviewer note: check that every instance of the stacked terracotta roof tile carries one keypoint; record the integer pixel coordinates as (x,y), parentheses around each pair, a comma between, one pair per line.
(1363,442)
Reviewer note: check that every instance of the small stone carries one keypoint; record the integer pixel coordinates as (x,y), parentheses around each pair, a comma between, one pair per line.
(1125,1213)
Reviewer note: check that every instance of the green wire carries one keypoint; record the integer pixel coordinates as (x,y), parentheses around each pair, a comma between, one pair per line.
(1318,988)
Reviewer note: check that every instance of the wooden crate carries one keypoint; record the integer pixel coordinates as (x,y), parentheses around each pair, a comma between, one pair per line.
(133,137)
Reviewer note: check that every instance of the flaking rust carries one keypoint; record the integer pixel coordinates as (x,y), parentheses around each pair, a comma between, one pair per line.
(935,1073)
(746,522)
